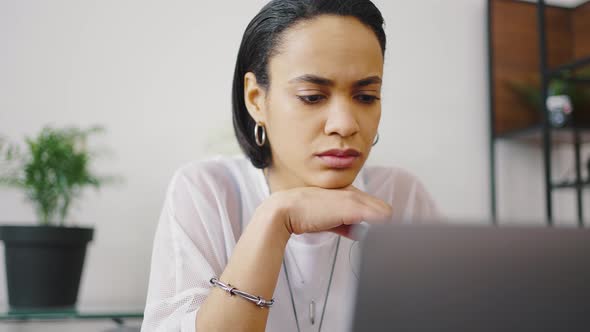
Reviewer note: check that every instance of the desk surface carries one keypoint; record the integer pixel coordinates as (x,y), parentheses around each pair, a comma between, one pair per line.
(80,312)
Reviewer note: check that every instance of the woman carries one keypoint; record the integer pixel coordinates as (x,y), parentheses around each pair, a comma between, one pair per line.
(276,224)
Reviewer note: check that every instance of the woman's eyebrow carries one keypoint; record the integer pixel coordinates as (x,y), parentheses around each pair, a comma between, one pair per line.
(367,81)
(314,79)
(310,78)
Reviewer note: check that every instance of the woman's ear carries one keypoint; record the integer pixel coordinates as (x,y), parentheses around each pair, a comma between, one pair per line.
(254,96)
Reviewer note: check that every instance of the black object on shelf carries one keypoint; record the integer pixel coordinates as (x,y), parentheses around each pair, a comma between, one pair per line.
(544,132)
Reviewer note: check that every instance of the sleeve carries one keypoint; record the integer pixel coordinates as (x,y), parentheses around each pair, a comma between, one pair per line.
(190,246)
(421,207)
(406,194)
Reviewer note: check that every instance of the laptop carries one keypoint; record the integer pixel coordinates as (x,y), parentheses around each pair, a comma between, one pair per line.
(473,279)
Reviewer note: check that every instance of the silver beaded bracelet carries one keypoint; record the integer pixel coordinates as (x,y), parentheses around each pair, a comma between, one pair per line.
(234,291)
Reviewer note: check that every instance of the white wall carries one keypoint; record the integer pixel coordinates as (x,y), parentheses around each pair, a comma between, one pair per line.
(158,76)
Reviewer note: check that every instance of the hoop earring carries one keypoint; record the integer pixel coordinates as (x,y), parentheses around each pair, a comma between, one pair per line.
(376,139)
(259,142)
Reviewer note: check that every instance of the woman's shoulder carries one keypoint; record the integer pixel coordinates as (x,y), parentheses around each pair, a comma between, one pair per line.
(217,165)
(213,175)
(402,189)
(203,187)
(215,170)
(389,175)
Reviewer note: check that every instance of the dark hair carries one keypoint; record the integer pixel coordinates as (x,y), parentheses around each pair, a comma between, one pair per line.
(260,42)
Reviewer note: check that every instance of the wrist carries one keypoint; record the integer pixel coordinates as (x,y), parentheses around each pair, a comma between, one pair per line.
(273,215)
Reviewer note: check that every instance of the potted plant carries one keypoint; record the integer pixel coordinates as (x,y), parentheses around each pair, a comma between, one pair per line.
(566,99)
(44,262)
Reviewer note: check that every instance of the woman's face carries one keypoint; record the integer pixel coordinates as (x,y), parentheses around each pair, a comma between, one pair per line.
(324,94)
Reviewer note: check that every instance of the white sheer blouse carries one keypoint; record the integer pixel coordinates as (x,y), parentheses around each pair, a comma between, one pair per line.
(207,205)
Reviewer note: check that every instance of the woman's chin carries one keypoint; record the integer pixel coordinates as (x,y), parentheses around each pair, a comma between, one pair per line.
(335,179)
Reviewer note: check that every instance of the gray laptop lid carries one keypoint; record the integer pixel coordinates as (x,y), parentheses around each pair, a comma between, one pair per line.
(473,278)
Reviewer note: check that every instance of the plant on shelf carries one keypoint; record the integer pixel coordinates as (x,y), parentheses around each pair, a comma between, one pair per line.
(578,95)
(44,262)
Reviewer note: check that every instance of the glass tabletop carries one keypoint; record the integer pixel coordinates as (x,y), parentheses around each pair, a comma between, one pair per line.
(79,312)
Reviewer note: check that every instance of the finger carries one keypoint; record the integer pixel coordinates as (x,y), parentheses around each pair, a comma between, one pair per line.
(375,212)
(373,208)
(371,200)
(343,230)
(379,206)
(354,232)
(352,208)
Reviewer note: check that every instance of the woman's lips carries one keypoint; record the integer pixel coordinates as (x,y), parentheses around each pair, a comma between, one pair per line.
(339,158)
(338,161)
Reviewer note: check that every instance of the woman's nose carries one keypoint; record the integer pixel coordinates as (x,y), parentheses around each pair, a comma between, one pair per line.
(341,119)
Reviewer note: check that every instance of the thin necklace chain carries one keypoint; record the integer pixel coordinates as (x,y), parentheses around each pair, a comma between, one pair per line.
(296,265)
(327,290)
(289,282)
(294,260)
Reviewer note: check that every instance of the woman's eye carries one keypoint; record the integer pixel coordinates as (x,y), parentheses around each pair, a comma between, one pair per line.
(311,99)
(367,99)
